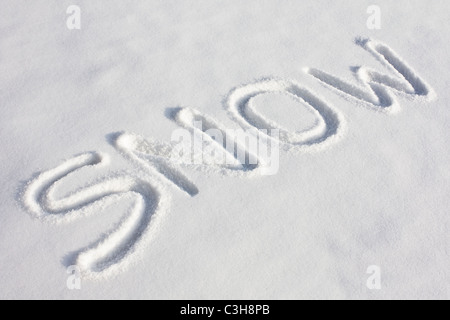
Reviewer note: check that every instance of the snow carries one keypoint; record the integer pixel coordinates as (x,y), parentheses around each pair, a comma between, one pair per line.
(86,127)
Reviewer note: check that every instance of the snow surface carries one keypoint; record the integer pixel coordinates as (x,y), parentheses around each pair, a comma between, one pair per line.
(88,115)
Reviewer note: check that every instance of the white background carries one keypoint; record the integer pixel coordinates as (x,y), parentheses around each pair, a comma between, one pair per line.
(377,197)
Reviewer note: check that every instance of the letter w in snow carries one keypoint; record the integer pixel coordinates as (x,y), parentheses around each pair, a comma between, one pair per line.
(376,89)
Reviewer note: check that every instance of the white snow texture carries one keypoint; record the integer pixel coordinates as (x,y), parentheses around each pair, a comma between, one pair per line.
(362,178)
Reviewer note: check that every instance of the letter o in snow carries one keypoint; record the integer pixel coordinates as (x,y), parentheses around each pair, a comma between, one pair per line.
(328,128)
